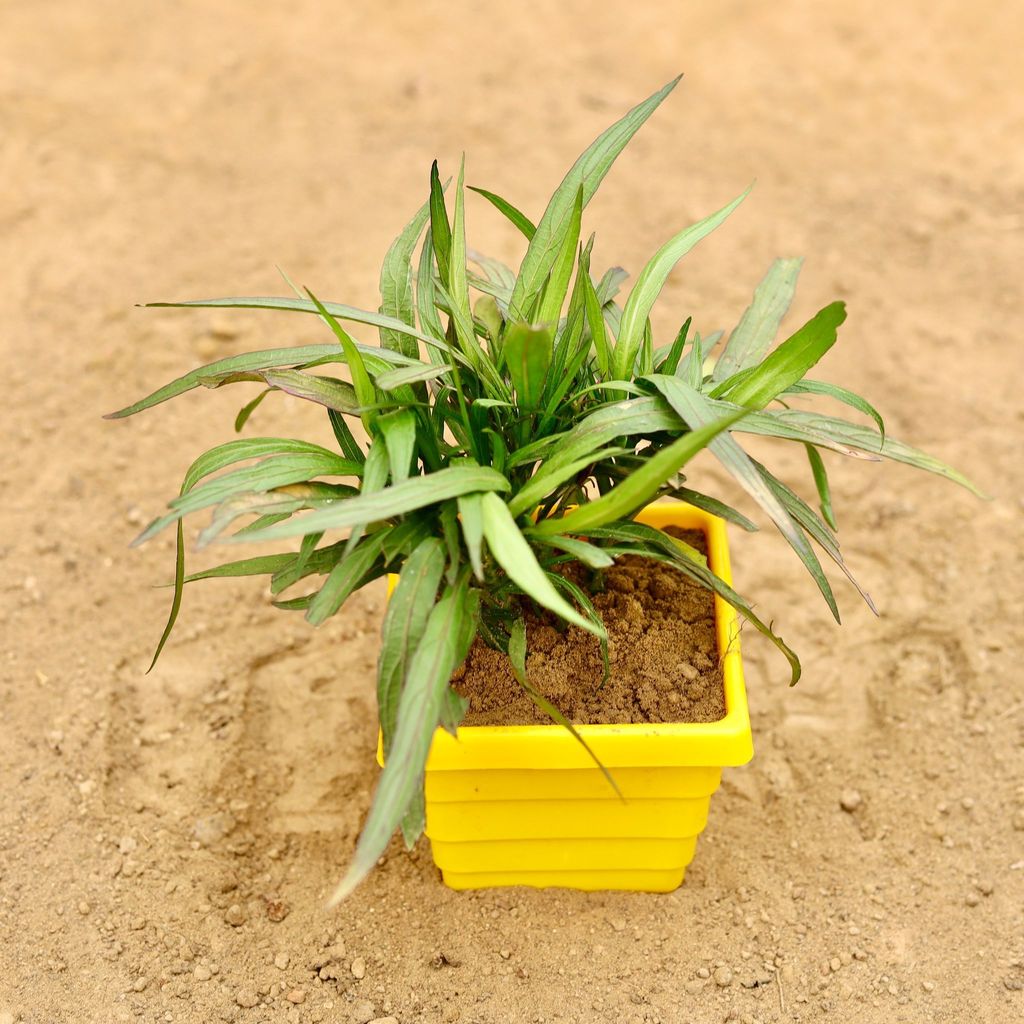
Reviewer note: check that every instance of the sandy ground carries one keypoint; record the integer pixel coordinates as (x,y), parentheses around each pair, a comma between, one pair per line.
(167,842)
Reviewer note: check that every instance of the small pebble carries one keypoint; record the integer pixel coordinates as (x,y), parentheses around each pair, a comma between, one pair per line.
(281,961)
(84,908)
(140,984)
(234,916)
(358,968)
(362,1012)
(202,973)
(972,899)
(723,977)
(850,800)
(296,996)
(703,972)
(928,986)
(984,886)
(246,997)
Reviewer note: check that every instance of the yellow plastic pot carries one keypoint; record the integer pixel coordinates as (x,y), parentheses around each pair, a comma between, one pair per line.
(525,805)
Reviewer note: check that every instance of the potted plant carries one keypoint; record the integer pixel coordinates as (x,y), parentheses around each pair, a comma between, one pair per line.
(514,447)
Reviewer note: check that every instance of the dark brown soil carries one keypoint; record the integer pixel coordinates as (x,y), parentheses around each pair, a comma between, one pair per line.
(661,646)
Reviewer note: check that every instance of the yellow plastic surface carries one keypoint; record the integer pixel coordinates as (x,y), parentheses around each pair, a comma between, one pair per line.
(525,805)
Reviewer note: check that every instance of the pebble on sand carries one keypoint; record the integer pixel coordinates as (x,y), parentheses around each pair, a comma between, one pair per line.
(281,961)
(358,968)
(234,916)
(850,800)
(246,997)
(723,977)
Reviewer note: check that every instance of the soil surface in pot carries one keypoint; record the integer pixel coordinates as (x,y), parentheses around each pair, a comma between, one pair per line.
(661,646)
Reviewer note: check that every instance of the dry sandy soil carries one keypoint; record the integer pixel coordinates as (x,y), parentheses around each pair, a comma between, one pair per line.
(167,841)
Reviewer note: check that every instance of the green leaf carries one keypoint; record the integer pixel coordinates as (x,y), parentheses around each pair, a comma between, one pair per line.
(247,410)
(588,554)
(670,363)
(756,331)
(788,363)
(404,621)
(595,321)
(417,492)
(715,507)
(261,565)
(289,305)
(449,631)
(814,526)
(396,293)
(210,462)
(279,501)
(640,486)
(649,284)
(276,471)
(527,350)
(552,475)
(553,295)
(364,389)
(622,419)
(667,549)
(403,375)
(345,578)
(343,435)
(517,657)
(440,229)
(698,410)
(250,362)
(512,552)
(821,483)
(588,171)
(329,392)
(815,387)
(846,437)
(471,520)
(399,431)
(519,219)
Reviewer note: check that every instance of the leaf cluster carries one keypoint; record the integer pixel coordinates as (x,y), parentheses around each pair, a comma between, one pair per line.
(511,421)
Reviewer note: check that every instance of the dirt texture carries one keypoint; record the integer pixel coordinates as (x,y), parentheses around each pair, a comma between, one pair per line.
(167,842)
(662,654)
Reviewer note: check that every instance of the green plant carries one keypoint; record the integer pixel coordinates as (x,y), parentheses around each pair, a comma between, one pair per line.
(507,437)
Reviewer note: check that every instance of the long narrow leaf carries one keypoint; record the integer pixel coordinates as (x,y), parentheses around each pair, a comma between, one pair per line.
(417,492)
(512,552)
(588,171)
(759,324)
(441,650)
(650,282)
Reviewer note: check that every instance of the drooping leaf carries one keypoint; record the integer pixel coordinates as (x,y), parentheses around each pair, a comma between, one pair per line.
(821,483)
(517,658)
(329,392)
(816,387)
(417,492)
(276,471)
(697,411)
(250,362)
(404,621)
(512,552)
(449,630)
(247,410)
